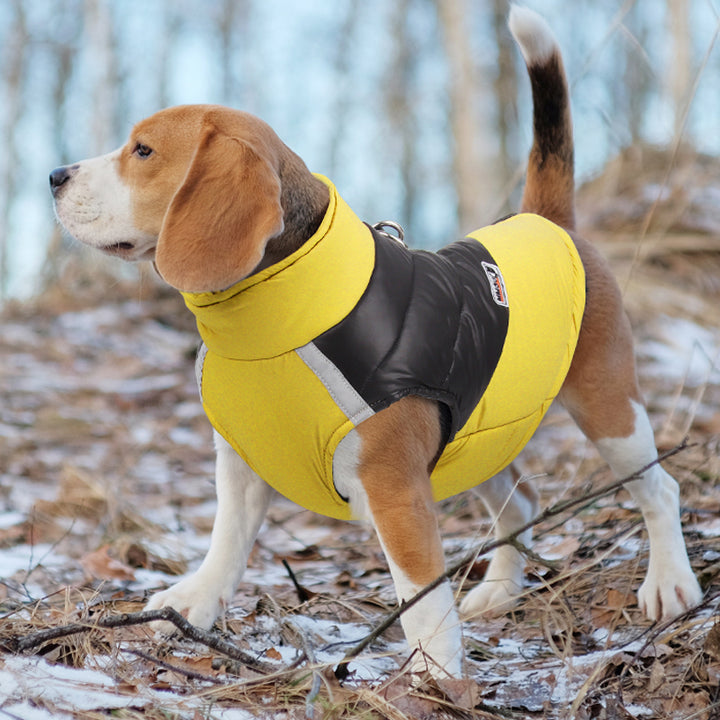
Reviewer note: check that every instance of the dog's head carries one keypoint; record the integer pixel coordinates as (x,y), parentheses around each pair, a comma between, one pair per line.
(196,189)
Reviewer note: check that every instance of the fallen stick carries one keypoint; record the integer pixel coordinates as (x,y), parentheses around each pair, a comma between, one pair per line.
(168,614)
(189,674)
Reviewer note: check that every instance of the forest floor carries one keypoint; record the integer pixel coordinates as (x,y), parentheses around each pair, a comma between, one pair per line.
(106,494)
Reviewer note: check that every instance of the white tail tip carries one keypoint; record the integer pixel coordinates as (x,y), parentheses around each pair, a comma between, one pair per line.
(533,35)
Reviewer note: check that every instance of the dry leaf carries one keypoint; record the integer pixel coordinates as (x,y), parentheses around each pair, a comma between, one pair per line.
(657,676)
(100,566)
(202,664)
(462,692)
(345,579)
(688,704)
(79,495)
(273,654)
(712,642)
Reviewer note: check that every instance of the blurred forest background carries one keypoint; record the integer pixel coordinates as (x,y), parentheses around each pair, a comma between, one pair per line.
(418,109)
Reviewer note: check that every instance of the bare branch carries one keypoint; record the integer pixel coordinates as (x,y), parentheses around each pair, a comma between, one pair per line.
(190,674)
(168,614)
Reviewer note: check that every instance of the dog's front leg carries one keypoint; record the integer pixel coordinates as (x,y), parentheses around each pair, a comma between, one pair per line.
(396,453)
(243,498)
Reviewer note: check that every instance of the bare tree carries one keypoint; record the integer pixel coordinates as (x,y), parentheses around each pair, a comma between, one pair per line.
(473,156)
(505,89)
(400,111)
(13,72)
(632,94)
(341,67)
(104,81)
(170,26)
(64,51)
(234,37)
(679,72)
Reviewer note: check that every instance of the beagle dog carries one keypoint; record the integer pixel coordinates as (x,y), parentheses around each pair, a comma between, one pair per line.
(310,392)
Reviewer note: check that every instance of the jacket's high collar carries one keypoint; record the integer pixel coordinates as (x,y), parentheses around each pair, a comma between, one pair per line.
(287,305)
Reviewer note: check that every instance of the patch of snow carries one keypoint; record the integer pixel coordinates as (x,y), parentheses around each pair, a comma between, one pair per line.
(19,334)
(10,518)
(27,711)
(640,710)
(34,679)
(265,575)
(654,192)
(151,579)
(186,436)
(231,714)
(137,386)
(142,434)
(9,432)
(343,636)
(708,528)
(682,350)
(153,466)
(28,684)
(188,410)
(156,343)
(26,557)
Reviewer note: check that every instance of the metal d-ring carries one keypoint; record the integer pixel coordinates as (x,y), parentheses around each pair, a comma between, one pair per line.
(398,235)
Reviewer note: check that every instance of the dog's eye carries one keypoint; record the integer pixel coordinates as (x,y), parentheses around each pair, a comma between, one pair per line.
(142,151)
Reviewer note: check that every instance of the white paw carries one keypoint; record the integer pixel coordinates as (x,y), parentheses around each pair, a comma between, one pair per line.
(434,633)
(490,598)
(422,663)
(668,592)
(193,598)
(499,592)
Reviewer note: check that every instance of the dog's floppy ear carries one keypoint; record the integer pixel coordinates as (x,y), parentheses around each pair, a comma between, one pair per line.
(220,219)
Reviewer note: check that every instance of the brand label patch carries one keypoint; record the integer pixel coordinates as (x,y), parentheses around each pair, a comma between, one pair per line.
(497,284)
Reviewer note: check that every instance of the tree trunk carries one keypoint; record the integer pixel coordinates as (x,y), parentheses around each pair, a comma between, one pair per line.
(473,158)
(13,72)
(506,95)
(401,116)
(680,71)
(104,82)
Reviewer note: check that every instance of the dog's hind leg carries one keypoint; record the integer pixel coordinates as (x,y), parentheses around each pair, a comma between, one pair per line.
(511,505)
(602,395)
(670,587)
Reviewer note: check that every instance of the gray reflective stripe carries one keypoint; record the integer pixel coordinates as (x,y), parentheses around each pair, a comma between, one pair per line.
(199,362)
(342,392)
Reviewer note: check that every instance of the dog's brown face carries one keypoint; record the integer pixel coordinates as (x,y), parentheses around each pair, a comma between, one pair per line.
(196,189)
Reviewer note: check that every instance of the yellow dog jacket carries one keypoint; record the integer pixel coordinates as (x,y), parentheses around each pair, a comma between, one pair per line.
(300,353)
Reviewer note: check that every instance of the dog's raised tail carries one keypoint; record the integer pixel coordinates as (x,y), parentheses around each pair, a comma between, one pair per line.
(549,186)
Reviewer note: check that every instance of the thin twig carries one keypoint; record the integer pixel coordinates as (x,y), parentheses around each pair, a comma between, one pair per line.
(190,674)
(532,555)
(489,545)
(303,594)
(168,614)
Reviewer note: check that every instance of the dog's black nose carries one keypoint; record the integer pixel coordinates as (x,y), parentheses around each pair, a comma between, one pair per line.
(59,176)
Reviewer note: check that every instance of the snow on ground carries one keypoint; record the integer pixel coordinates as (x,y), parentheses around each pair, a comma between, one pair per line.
(106,494)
